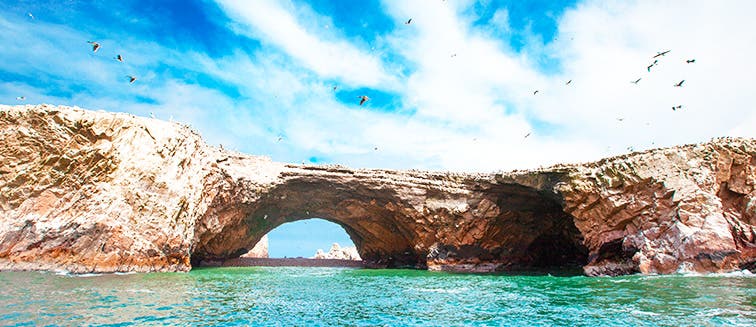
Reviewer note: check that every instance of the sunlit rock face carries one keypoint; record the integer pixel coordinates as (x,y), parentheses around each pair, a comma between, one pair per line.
(260,250)
(338,252)
(96,191)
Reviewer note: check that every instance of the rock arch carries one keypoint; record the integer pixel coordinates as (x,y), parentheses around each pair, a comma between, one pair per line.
(101,191)
(405,219)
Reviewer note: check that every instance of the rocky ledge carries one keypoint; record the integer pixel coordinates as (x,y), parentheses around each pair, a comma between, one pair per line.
(89,191)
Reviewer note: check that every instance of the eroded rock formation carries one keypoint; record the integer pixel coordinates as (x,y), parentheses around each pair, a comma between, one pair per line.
(98,191)
(339,253)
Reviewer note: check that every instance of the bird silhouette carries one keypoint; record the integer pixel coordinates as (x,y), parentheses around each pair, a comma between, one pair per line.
(280,138)
(132,79)
(680,84)
(453,55)
(95,46)
(526,135)
(335,87)
(568,82)
(375,149)
(659,54)
(30,15)
(652,65)
(363,99)
(119,58)
(536,92)
(22,98)
(690,61)
(409,21)
(635,81)
(620,119)
(674,108)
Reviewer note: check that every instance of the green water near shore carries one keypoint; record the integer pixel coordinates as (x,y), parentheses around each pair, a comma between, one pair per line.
(281,296)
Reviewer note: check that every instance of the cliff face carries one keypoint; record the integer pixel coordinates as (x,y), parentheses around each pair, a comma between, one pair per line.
(95,191)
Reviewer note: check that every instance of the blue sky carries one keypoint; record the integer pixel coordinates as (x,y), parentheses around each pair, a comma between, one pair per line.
(453,90)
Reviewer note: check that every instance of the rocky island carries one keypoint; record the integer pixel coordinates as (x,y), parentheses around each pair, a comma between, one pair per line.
(87,191)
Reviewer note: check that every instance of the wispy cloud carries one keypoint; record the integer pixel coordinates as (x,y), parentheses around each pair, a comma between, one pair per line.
(305,37)
(459,80)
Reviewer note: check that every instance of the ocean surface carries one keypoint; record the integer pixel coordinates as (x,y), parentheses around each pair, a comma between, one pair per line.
(281,296)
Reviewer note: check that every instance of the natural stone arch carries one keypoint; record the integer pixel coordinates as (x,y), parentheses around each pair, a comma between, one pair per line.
(92,191)
(478,225)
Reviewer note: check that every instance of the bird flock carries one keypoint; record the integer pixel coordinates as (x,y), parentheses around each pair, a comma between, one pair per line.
(96,47)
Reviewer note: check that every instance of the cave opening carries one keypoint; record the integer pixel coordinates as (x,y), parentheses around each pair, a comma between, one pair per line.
(311,238)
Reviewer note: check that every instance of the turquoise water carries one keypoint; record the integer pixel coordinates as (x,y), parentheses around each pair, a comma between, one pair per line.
(281,296)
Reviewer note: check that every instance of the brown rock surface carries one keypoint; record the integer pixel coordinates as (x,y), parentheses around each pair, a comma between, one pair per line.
(98,191)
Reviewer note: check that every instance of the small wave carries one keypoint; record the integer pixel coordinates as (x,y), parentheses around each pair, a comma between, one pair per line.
(736,273)
(443,290)
(67,273)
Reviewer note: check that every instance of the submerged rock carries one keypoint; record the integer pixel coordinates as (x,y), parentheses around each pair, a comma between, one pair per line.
(87,191)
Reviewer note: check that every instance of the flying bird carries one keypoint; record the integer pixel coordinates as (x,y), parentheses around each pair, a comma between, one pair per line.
(674,108)
(568,82)
(280,138)
(635,81)
(119,58)
(20,98)
(409,21)
(652,65)
(132,79)
(30,15)
(536,92)
(375,148)
(659,54)
(363,99)
(690,61)
(453,55)
(620,119)
(95,46)
(335,87)
(680,84)
(526,135)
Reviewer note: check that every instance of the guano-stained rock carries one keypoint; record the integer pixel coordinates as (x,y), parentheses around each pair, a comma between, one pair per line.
(89,191)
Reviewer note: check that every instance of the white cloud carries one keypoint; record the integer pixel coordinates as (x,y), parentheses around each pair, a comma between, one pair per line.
(471,111)
(311,45)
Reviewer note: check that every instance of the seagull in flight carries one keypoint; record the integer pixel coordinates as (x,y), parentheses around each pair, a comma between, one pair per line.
(652,65)
(95,46)
(680,84)
(132,79)
(536,92)
(568,82)
(674,108)
(30,15)
(280,138)
(659,54)
(635,81)
(526,135)
(620,119)
(363,99)
(690,61)
(20,98)
(409,21)
(119,58)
